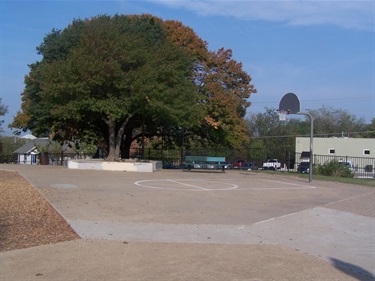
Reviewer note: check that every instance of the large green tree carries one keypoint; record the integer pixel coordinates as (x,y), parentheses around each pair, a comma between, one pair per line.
(122,70)
(224,88)
(116,79)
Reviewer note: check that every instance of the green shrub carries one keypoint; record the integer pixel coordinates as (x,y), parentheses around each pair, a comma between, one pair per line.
(333,168)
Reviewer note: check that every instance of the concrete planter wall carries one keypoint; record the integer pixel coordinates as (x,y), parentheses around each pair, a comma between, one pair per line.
(126,166)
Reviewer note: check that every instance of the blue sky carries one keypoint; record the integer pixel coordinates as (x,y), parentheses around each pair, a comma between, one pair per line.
(323,51)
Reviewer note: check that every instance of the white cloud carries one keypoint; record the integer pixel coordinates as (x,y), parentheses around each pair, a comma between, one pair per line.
(353,14)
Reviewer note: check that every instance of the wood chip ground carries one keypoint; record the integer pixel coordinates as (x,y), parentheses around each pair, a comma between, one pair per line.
(26,218)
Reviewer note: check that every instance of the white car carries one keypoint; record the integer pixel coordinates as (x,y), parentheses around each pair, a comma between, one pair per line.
(349,165)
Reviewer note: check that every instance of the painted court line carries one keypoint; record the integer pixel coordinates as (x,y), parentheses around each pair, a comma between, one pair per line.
(181,183)
(185,184)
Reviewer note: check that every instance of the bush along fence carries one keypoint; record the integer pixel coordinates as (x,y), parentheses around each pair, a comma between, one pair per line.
(358,166)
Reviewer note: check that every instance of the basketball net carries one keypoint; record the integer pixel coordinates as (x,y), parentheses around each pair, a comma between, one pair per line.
(282,114)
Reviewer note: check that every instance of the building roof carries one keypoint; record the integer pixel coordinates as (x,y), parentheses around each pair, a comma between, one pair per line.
(30,145)
(29,137)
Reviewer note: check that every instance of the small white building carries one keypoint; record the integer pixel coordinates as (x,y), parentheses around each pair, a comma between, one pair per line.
(359,151)
(355,147)
(28,153)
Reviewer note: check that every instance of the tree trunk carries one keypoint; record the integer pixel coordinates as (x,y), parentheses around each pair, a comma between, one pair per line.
(114,140)
(112,156)
(126,142)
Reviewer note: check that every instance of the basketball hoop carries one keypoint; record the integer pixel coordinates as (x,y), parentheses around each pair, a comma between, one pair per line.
(282,114)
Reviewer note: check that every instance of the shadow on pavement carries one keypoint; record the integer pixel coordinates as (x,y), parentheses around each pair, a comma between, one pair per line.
(352,270)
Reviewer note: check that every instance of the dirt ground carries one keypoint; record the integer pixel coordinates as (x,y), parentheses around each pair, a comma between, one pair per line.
(26,218)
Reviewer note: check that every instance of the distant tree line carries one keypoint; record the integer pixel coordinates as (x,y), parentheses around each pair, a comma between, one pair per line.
(267,132)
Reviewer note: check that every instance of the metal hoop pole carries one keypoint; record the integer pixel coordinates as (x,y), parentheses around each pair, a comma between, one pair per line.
(311,141)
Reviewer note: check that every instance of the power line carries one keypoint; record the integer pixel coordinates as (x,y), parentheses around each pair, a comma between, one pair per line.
(315,135)
(355,99)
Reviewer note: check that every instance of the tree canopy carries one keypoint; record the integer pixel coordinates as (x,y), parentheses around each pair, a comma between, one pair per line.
(329,121)
(103,78)
(371,129)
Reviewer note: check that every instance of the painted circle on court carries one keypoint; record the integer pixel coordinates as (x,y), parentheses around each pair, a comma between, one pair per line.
(186,184)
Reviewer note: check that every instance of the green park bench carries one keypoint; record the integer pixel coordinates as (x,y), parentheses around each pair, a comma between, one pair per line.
(205,163)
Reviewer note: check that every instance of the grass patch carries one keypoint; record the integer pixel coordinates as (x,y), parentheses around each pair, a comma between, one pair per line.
(356,181)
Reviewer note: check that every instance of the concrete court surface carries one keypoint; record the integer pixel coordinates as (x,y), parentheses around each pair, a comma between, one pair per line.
(174,225)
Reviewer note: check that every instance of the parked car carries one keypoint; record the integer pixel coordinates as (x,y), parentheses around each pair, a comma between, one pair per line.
(304,167)
(250,166)
(238,164)
(170,166)
(349,165)
(271,164)
(227,165)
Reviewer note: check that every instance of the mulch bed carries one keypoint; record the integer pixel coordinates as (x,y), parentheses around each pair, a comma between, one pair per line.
(26,218)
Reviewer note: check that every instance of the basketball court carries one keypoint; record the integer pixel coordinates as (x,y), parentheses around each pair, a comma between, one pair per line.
(328,221)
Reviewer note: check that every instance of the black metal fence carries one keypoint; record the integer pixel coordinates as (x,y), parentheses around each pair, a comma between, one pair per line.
(46,159)
(360,166)
(173,158)
(168,157)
